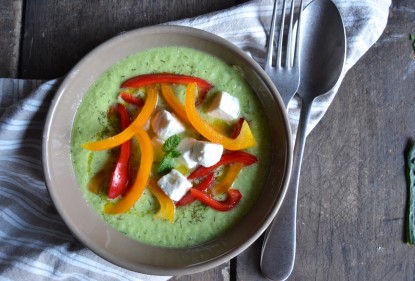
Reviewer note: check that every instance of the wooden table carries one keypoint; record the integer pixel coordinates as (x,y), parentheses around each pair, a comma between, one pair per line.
(353,188)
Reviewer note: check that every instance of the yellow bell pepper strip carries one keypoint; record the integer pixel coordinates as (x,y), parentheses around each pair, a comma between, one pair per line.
(129,132)
(95,183)
(174,102)
(244,140)
(167,207)
(140,183)
(156,78)
(228,180)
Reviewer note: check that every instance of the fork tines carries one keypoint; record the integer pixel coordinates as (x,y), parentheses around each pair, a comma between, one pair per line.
(289,39)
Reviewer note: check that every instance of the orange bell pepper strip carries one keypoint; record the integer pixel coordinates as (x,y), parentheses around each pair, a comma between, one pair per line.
(244,140)
(143,174)
(174,102)
(129,132)
(224,185)
(167,207)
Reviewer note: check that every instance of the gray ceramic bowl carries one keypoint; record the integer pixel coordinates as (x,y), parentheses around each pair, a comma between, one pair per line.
(83,220)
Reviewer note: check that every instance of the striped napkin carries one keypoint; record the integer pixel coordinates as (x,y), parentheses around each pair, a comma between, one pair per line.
(35,243)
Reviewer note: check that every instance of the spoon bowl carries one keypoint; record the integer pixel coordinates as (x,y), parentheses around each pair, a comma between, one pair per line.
(323,48)
(322,58)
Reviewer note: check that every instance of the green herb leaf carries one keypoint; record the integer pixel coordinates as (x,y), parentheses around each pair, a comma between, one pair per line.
(174,153)
(169,147)
(171,143)
(410,171)
(166,164)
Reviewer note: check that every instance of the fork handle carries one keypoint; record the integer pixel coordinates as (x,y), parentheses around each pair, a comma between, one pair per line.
(278,249)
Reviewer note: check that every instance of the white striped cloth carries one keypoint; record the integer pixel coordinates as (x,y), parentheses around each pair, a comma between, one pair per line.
(35,243)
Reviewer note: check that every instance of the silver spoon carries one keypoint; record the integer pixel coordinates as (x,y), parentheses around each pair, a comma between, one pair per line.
(322,57)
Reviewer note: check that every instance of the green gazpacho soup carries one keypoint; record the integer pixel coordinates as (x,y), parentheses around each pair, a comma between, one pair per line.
(196,222)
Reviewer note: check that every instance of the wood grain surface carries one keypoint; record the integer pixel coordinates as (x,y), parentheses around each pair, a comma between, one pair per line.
(352,197)
(57,34)
(10,37)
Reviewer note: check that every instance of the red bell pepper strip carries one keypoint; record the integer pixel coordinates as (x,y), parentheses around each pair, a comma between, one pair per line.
(237,128)
(156,78)
(137,188)
(120,175)
(202,186)
(227,158)
(234,197)
(130,98)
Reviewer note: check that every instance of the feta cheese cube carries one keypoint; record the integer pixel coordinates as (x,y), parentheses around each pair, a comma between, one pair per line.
(224,106)
(174,184)
(185,148)
(165,125)
(206,153)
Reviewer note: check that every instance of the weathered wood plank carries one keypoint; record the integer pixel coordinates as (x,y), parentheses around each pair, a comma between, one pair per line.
(351,223)
(352,195)
(59,33)
(10,26)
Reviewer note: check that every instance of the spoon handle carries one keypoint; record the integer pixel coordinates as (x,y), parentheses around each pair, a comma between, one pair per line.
(278,249)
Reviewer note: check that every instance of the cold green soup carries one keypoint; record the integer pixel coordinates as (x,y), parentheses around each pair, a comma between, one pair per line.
(194,223)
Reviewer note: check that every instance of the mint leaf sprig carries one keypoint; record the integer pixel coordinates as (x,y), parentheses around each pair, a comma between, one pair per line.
(169,148)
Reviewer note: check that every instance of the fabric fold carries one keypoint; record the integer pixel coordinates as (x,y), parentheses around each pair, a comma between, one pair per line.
(247,26)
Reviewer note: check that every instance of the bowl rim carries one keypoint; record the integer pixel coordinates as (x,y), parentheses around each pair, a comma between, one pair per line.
(192,32)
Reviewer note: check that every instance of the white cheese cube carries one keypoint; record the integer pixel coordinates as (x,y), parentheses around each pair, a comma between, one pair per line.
(174,184)
(185,148)
(224,106)
(206,153)
(165,124)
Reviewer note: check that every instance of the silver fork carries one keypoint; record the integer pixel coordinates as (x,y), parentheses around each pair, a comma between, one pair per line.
(286,77)
(278,249)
